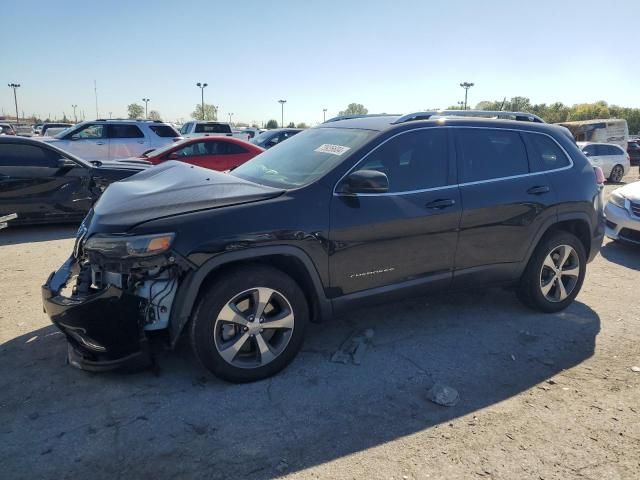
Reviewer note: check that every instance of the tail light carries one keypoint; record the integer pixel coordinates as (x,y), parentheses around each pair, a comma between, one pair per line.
(599,175)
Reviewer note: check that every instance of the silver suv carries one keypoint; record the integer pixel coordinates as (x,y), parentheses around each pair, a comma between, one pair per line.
(114,139)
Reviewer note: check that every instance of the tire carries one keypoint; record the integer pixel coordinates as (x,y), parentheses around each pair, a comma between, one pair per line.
(617,173)
(228,336)
(539,288)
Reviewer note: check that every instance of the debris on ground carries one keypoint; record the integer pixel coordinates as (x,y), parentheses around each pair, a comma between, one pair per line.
(635,369)
(354,348)
(443,395)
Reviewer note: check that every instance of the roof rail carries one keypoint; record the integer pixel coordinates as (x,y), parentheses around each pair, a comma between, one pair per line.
(128,120)
(499,114)
(349,117)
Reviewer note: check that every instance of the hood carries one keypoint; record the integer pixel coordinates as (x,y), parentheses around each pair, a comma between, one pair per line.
(630,191)
(174,188)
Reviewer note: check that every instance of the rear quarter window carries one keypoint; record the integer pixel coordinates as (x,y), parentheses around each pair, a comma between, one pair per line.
(544,153)
(164,131)
(486,154)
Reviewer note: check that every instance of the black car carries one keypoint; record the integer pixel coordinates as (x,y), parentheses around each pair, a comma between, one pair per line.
(271,138)
(44,184)
(348,213)
(633,149)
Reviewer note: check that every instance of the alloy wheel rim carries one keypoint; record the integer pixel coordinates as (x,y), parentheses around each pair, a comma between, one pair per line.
(559,273)
(617,173)
(254,327)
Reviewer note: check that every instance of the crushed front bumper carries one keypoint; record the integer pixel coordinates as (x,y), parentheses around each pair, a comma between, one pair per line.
(103,329)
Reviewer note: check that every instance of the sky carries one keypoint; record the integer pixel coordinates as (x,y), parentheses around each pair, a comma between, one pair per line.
(392,56)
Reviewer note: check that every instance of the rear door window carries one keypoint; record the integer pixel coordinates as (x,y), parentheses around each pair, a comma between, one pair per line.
(544,153)
(486,154)
(125,131)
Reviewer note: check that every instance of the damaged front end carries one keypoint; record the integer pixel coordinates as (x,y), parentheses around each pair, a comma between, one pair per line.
(109,293)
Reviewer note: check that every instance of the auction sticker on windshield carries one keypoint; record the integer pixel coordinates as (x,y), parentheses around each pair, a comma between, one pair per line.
(332,149)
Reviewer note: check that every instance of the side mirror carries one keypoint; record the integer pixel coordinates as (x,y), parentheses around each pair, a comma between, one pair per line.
(586,154)
(365,181)
(66,163)
(173,156)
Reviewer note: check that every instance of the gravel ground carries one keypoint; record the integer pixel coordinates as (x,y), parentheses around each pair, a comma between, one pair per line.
(541,396)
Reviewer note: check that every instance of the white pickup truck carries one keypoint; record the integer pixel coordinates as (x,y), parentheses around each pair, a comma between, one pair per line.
(206,129)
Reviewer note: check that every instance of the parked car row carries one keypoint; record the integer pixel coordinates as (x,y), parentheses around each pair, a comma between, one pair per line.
(44,184)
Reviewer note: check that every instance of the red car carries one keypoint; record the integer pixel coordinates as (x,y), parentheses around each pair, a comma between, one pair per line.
(216,153)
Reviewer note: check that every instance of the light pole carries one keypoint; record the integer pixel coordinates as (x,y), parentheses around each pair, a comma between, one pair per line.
(202,87)
(282,102)
(466,86)
(324,115)
(230,115)
(75,118)
(15,97)
(110,114)
(215,112)
(146,105)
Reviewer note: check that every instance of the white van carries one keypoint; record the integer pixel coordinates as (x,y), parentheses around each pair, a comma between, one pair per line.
(608,130)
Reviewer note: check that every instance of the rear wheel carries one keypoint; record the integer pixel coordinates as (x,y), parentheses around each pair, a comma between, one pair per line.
(616,174)
(249,325)
(555,273)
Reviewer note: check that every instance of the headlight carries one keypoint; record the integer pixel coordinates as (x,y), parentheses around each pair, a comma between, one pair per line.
(122,246)
(617,200)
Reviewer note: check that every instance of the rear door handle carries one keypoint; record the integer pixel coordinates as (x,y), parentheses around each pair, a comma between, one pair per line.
(440,204)
(538,190)
(99,143)
(140,141)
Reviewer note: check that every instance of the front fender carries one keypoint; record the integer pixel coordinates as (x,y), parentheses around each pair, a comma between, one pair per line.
(187,295)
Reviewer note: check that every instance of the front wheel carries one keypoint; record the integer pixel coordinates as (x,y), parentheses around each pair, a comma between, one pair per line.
(555,273)
(616,174)
(249,325)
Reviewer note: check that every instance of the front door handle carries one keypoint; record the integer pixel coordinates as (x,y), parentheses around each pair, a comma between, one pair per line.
(538,190)
(140,141)
(441,203)
(99,143)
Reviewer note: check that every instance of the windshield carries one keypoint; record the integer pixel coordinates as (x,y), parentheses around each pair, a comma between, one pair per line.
(303,158)
(262,137)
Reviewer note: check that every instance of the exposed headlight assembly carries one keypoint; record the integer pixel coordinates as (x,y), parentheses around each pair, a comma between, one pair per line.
(124,246)
(617,199)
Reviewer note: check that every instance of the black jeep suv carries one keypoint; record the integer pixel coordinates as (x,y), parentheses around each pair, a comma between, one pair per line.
(347,213)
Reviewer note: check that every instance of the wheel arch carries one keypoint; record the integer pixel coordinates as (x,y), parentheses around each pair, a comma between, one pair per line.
(576,223)
(288,259)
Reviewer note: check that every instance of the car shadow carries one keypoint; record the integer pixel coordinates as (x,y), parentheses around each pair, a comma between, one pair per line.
(17,234)
(626,254)
(180,422)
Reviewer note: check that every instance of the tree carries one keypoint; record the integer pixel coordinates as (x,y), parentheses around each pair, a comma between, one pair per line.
(155,115)
(354,109)
(209,112)
(291,125)
(135,110)
(272,124)
(302,125)
(589,111)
